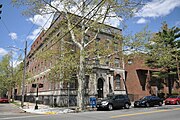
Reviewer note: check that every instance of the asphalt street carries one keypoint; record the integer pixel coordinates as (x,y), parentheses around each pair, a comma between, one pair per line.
(10,110)
(171,112)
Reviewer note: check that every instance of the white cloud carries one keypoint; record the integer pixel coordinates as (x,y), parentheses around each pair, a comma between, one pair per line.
(158,8)
(40,20)
(3,52)
(142,21)
(34,34)
(13,35)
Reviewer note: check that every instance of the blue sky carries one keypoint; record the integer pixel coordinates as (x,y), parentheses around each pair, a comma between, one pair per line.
(16,28)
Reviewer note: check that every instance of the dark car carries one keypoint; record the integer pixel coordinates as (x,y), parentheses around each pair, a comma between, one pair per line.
(4,100)
(148,101)
(173,100)
(114,101)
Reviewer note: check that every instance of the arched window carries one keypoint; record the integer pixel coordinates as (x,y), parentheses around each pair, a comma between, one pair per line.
(117,82)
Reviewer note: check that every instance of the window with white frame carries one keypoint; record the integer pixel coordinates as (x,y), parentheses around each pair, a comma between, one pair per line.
(117,82)
(116,62)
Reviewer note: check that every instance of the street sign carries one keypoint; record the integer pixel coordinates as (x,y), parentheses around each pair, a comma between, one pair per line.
(40,85)
(33,85)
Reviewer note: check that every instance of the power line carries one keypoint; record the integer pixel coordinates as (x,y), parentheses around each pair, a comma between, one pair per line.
(37,34)
(29,32)
(8,30)
(74,12)
(5,26)
(76,24)
(40,29)
(46,23)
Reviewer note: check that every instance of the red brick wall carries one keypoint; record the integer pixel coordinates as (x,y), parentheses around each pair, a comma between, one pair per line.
(132,81)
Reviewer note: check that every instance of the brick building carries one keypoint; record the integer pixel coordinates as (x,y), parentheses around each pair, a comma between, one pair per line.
(106,77)
(140,81)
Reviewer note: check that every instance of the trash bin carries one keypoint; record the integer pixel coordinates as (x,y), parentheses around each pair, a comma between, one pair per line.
(92,102)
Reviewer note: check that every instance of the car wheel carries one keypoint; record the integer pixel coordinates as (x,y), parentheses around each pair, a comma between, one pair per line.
(110,107)
(126,106)
(160,103)
(147,104)
(177,102)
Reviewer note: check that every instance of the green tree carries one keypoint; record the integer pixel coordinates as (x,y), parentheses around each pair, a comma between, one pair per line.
(10,76)
(6,75)
(163,51)
(94,14)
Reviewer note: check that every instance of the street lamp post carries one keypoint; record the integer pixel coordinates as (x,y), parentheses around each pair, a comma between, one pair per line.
(37,86)
(68,93)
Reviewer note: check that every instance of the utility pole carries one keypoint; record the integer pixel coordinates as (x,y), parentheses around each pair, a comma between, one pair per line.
(24,75)
(13,84)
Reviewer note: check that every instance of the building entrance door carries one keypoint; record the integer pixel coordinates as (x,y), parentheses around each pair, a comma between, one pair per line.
(100,88)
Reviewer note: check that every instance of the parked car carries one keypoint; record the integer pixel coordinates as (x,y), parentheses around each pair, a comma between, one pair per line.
(173,100)
(148,101)
(4,100)
(114,101)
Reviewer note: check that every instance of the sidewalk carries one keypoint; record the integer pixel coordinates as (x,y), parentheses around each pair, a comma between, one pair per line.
(43,109)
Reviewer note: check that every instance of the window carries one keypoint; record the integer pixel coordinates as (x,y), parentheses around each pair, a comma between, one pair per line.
(97,46)
(35,69)
(116,47)
(110,87)
(86,39)
(107,61)
(116,62)
(97,41)
(117,82)
(107,44)
(86,81)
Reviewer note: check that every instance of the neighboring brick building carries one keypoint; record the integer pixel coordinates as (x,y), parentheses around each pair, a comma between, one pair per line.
(106,78)
(139,79)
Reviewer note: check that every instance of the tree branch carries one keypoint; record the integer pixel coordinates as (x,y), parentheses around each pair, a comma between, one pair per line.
(71,31)
(107,10)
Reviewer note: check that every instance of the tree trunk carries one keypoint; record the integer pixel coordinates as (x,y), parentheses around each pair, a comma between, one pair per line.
(81,77)
(169,83)
(178,71)
(82,61)
(13,94)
